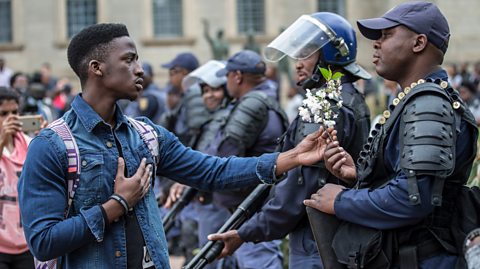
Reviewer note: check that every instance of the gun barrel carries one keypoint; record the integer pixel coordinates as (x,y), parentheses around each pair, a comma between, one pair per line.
(186,197)
(250,205)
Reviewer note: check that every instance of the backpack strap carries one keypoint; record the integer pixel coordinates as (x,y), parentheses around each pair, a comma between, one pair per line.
(149,136)
(60,127)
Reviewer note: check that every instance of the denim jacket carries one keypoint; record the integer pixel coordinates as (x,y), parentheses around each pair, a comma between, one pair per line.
(82,239)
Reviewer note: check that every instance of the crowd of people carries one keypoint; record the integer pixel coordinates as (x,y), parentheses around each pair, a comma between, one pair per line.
(377,190)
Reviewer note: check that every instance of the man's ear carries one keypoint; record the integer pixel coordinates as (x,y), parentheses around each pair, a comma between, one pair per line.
(421,42)
(238,77)
(94,67)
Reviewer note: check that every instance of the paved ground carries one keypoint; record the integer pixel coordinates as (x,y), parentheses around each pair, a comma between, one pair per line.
(176,262)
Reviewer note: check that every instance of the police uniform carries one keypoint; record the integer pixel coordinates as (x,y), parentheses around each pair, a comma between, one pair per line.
(150,104)
(255,123)
(284,214)
(186,120)
(410,173)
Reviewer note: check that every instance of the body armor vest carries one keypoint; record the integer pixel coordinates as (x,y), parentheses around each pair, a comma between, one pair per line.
(249,117)
(211,128)
(192,112)
(372,173)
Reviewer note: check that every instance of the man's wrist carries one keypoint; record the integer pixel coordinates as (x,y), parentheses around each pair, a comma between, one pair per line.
(121,201)
(286,161)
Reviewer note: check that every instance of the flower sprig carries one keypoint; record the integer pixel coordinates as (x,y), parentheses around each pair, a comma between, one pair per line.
(318,106)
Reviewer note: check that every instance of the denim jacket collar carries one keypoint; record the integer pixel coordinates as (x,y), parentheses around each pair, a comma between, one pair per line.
(89,118)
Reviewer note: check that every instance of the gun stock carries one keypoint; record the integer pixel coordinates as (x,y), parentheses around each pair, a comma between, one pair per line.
(186,197)
(245,210)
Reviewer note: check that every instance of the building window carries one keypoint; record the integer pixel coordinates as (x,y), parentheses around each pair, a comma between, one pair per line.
(5,21)
(80,14)
(167,18)
(251,16)
(334,6)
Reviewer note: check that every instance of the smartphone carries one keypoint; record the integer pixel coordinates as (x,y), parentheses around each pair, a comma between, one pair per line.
(30,123)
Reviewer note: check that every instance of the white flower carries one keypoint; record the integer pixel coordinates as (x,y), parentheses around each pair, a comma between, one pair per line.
(321,94)
(330,123)
(318,106)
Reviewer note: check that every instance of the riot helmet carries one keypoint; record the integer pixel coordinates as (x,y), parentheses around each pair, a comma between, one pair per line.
(324,31)
(206,75)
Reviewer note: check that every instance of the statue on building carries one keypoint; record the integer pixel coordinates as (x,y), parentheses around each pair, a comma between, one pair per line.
(219,45)
(251,44)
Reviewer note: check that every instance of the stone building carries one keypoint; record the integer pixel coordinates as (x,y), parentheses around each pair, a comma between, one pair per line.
(33,32)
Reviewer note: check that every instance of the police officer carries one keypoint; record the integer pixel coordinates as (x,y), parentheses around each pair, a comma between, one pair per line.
(418,156)
(216,100)
(190,114)
(151,103)
(255,122)
(327,40)
(185,121)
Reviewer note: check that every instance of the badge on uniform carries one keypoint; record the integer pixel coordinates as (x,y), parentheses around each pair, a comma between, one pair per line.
(143,103)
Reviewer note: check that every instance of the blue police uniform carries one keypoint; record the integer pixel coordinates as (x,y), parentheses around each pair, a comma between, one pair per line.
(266,254)
(150,104)
(285,213)
(211,216)
(387,205)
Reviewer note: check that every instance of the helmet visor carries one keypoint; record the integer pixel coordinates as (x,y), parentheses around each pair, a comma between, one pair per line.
(206,74)
(300,40)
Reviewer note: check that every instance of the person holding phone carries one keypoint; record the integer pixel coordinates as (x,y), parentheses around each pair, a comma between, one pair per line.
(14,251)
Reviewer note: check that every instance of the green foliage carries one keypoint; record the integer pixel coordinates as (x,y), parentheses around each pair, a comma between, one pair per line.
(327,74)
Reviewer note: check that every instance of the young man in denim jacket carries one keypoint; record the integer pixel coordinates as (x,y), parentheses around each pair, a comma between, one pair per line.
(100,232)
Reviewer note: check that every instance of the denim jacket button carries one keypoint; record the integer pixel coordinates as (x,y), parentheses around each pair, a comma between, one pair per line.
(109,144)
(118,253)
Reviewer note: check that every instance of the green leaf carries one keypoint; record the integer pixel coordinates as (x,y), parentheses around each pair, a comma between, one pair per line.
(327,74)
(337,75)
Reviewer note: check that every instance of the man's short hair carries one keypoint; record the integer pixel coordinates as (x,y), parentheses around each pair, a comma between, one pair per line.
(7,94)
(92,43)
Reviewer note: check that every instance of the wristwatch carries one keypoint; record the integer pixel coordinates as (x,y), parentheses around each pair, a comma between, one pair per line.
(469,239)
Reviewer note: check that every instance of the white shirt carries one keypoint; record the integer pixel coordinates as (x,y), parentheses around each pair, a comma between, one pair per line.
(5,76)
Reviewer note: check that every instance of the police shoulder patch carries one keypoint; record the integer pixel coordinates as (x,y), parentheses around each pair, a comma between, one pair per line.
(143,103)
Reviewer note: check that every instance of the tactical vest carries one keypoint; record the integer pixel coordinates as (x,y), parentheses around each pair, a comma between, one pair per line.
(414,106)
(195,113)
(246,121)
(211,128)
(249,116)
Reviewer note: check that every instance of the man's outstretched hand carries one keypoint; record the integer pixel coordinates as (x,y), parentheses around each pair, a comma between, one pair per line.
(309,151)
(231,239)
